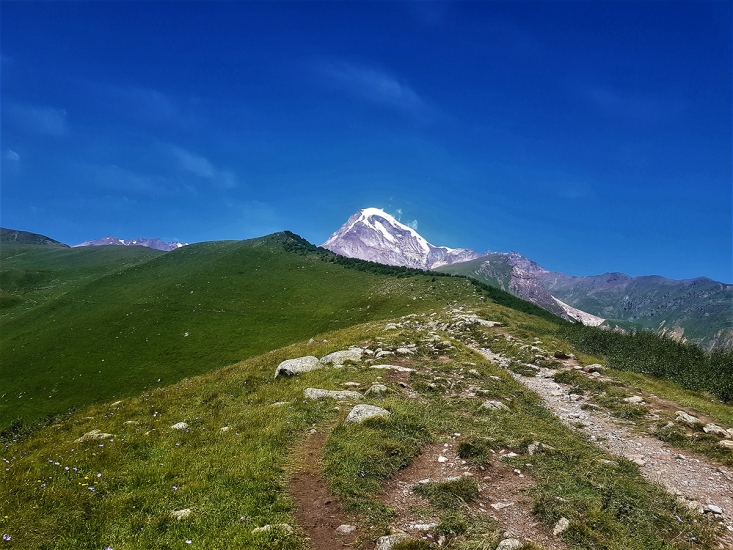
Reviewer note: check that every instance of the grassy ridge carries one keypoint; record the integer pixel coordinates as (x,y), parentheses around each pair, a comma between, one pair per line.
(189,311)
(33,274)
(649,353)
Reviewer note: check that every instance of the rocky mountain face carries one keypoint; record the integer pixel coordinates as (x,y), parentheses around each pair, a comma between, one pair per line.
(698,310)
(157,244)
(16,236)
(372,234)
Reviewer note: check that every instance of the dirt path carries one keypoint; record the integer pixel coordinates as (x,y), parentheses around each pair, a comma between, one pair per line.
(318,512)
(689,476)
(501,497)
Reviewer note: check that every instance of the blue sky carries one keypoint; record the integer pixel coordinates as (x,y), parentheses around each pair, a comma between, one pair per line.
(588,136)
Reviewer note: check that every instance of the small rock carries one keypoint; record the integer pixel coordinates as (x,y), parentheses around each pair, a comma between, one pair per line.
(224,429)
(509,544)
(537,446)
(726,443)
(181,514)
(351,384)
(338,358)
(291,367)
(494,405)
(179,426)
(685,418)
(715,429)
(115,403)
(391,326)
(388,541)
(363,412)
(383,353)
(441,458)
(392,367)
(712,509)
(316,393)
(423,526)
(634,399)
(376,389)
(500,505)
(595,367)
(405,351)
(94,434)
(562,524)
(284,527)
(345,529)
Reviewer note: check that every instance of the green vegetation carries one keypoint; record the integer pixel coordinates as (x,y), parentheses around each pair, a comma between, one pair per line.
(649,353)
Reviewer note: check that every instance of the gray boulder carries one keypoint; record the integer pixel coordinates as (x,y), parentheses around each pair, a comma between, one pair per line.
(291,367)
(494,406)
(362,412)
(338,358)
(315,393)
(376,390)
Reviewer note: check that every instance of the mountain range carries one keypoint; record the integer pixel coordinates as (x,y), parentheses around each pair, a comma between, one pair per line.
(698,310)
(156,244)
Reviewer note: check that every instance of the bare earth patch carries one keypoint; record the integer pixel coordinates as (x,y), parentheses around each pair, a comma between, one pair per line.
(318,512)
(500,498)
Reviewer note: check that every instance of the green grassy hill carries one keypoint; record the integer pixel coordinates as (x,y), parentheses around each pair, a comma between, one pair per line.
(31,274)
(148,319)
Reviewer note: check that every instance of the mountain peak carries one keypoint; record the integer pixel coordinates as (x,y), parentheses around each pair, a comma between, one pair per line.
(372,234)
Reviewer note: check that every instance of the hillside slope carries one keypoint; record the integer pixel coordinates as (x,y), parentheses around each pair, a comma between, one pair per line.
(189,311)
(15,236)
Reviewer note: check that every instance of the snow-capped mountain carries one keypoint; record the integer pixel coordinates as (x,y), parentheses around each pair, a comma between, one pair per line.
(157,244)
(372,234)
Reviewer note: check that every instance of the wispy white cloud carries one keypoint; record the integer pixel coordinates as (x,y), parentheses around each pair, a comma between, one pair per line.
(640,106)
(371,84)
(398,214)
(12,155)
(412,224)
(116,178)
(203,168)
(38,119)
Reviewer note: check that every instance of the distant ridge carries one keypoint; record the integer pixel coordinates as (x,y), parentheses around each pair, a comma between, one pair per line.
(16,236)
(156,244)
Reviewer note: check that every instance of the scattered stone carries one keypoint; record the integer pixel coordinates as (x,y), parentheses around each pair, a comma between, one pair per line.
(315,393)
(279,403)
(509,544)
(442,459)
(291,367)
(181,514)
(634,399)
(94,434)
(363,412)
(391,326)
(685,418)
(115,403)
(423,526)
(561,355)
(501,505)
(224,429)
(383,353)
(405,351)
(595,367)
(495,406)
(376,389)
(712,509)
(562,524)
(179,426)
(637,459)
(345,529)
(392,367)
(717,430)
(284,527)
(537,446)
(338,358)
(388,541)
(726,443)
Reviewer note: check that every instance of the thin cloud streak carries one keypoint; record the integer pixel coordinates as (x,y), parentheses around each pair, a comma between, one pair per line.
(202,168)
(38,119)
(373,85)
